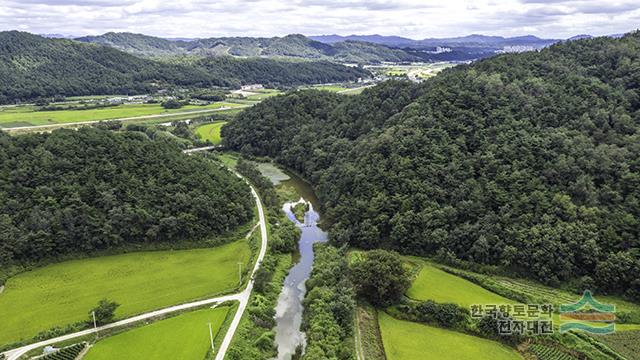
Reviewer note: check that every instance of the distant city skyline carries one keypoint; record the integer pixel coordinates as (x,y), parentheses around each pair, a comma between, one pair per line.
(416,19)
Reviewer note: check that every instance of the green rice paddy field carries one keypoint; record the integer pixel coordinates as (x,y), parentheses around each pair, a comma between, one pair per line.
(27,116)
(210,132)
(63,293)
(404,340)
(185,336)
(440,286)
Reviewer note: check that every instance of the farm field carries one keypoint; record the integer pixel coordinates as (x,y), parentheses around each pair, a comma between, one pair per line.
(407,340)
(63,293)
(440,286)
(185,336)
(27,116)
(210,132)
(414,71)
(625,343)
(331,88)
(262,94)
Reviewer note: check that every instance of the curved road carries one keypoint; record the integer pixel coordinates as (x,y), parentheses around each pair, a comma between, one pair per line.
(242,297)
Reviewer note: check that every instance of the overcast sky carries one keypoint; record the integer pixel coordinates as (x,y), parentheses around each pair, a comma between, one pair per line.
(411,18)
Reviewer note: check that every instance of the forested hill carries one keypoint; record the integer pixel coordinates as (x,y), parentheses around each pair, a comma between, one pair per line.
(530,162)
(32,66)
(290,46)
(71,192)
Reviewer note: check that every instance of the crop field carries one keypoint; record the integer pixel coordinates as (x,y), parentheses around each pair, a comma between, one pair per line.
(262,94)
(625,343)
(407,340)
(440,286)
(559,296)
(544,352)
(331,88)
(63,293)
(28,116)
(414,71)
(210,132)
(185,336)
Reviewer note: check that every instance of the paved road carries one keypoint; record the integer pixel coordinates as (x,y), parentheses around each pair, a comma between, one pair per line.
(143,117)
(242,297)
(204,148)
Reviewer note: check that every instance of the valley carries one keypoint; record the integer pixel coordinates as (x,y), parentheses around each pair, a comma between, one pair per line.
(224,187)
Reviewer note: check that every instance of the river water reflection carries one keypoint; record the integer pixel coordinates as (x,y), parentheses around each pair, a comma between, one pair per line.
(289,308)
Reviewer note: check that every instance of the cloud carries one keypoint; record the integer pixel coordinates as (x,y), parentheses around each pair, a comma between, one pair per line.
(410,18)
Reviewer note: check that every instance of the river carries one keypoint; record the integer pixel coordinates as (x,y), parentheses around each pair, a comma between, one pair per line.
(289,308)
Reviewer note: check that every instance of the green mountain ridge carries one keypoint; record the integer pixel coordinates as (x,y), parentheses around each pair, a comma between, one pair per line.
(32,66)
(293,46)
(525,163)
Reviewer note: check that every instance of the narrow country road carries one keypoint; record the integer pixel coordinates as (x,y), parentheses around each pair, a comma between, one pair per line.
(142,117)
(242,297)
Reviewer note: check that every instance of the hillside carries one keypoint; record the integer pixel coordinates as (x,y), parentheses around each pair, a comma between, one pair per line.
(290,46)
(71,192)
(32,66)
(526,162)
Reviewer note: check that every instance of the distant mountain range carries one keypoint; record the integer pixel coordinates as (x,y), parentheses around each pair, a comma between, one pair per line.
(368,49)
(296,46)
(33,66)
(473,40)
(464,48)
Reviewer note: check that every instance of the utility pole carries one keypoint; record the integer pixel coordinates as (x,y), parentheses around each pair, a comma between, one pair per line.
(240,272)
(95,325)
(213,347)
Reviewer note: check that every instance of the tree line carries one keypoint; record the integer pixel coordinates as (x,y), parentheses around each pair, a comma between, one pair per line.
(526,162)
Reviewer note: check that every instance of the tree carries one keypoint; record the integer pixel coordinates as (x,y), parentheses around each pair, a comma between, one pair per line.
(104,312)
(380,277)
(172,104)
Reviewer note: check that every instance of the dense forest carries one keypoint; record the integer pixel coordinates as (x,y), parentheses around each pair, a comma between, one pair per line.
(528,162)
(71,192)
(32,66)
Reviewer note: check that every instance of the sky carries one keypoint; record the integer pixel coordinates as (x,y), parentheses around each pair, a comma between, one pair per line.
(417,19)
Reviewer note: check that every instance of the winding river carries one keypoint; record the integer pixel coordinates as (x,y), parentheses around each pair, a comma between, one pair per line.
(289,308)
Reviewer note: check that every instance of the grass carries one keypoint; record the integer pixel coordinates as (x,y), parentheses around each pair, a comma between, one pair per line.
(440,286)
(331,88)
(185,336)
(27,116)
(407,340)
(229,159)
(63,293)
(210,132)
(261,95)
